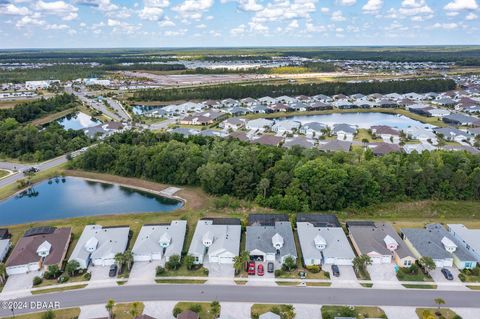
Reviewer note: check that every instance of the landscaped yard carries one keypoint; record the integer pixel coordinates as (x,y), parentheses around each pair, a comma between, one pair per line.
(288,311)
(470,275)
(124,310)
(430,313)
(184,272)
(330,312)
(204,309)
(59,314)
(414,273)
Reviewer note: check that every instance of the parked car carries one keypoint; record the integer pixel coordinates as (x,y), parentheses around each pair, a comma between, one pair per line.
(447,273)
(335,271)
(113,270)
(251,268)
(270,267)
(260,271)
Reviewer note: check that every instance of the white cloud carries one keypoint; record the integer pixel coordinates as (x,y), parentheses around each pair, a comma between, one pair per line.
(458,5)
(102,5)
(11,9)
(471,16)
(57,27)
(193,9)
(28,21)
(153,9)
(346,2)
(337,16)
(372,6)
(293,25)
(165,23)
(246,5)
(446,26)
(58,8)
(324,10)
(237,31)
(279,10)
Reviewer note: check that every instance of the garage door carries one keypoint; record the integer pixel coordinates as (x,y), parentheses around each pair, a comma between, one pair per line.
(376,260)
(343,261)
(213,259)
(256,257)
(226,260)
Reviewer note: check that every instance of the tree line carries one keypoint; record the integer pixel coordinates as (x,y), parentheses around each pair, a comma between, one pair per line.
(295,180)
(28,111)
(238,91)
(32,144)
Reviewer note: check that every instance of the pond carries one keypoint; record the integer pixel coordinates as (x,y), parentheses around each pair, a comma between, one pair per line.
(360,119)
(78,121)
(66,197)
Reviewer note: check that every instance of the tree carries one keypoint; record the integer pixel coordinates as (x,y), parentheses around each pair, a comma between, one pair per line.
(3,273)
(53,271)
(189,261)
(72,267)
(240,261)
(215,309)
(135,309)
(289,263)
(361,262)
(109,306)
(263,185)
(439,302)
(288,313)
(119,260)
(427,263)
(173,262)
(128,259)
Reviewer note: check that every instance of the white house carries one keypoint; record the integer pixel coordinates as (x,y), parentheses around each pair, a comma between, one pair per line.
(159,241)
(216,240)
(99,245)
(469,238)
(286,126)
(259,124)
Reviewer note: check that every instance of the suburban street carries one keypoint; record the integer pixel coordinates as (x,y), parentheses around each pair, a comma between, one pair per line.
(99,106)
(305,295)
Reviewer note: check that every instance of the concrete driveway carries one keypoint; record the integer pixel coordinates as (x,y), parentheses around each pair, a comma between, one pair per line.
(437,276)
(308,311)
(383,276)
(347,278)
(19,285)
(218,274)
(237,310)
(143,272)
(159,309)
(100,277)
(268,279)
(399,312)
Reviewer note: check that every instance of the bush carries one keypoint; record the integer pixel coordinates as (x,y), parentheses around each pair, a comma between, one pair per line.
(62,279)
(37,281)
(279,272)
(87,276)
(176,311)
(206,271)
(196,308)
(314,269)
(462,277)
(160,270)
(48,315)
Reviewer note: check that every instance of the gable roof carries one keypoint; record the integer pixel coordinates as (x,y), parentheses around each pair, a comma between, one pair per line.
(319,220)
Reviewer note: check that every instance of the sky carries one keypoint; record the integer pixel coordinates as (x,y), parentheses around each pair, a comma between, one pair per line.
(237,23)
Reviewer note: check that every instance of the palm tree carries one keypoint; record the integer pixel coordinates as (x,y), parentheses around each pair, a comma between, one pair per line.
(3,273)
(135,309)
(239,261)
(439,302)
(119,260)
(128,259)
(109,306)
(215,309)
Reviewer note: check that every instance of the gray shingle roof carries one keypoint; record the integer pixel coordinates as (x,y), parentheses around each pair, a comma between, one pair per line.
(260,237)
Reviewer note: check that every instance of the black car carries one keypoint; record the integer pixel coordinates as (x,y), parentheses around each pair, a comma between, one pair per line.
(335,271)
(270,267)
(447,273)
(113,271)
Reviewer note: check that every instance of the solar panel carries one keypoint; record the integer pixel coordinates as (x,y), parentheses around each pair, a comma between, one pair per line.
(39,231)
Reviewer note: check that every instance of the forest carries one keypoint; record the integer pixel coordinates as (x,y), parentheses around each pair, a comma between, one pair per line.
(294,180)
(28,111)
(238,91)
(31,144)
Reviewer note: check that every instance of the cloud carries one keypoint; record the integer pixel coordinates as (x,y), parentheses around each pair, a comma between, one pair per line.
(58,8)
(279,10)
(28,21)
(237,31)
(337,16)
(446,26)
(372,6)
(166,23)
(153,9)
(346,2)
(102,5)
(246,5)
(458,5)
(11,9)
(193,9)
(471,16)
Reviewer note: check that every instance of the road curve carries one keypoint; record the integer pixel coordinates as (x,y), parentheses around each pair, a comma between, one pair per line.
(223,293)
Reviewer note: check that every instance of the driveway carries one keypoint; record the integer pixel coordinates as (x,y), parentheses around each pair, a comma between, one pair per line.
(143,272)
(93,311)
(100,277)
(218,274)
(399,312)
(445,284)
(383,276)
(19,285)
(159,309)
(237,310)
(268,279)
(347,278)
(308,311)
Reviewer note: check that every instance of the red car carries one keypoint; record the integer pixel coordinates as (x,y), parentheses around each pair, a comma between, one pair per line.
(251,268)
(260,270)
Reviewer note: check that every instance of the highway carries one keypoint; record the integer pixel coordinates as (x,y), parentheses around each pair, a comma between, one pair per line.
(224,293)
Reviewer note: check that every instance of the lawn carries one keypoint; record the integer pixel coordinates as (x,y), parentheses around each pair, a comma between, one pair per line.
(49,290)
(330,312)
(3,173)
(415,274)
(122,310)
(470,275)
(260,309)
(50,282)
(202,308)
(69,313)
(180,281)
(430,313)
(184,272)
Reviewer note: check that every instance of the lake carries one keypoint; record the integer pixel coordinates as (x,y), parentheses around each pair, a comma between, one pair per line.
(360,119)
(68,197)
(78,121)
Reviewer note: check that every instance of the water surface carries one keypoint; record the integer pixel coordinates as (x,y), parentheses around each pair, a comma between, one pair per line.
(78,121)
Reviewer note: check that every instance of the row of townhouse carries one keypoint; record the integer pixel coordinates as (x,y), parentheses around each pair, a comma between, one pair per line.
(269,238)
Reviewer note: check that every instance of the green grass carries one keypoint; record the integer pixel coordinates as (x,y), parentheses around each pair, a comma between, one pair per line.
(180,281)
(260,309)
(319,284)
(184,272)
(59,289)
(419,286)
(473,287)
(445,313)
(122,310)
(287,283)
(59,314)
(467,275)
(51,282)
(330,312)
(3,173)
(204,307)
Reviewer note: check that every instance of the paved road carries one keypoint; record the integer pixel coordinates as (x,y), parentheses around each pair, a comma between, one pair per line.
(114,104)
(93,103)
(304,295)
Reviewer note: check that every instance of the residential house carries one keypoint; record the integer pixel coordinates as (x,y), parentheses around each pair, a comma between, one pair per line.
(460,119)
(270,238)
(335,146)
(286,126)
(233,124)
(421,134)
(203,118)
(280,107)
(344,132)
(469,238)
(159,241)
(39,248)
(216,240)
(266,100)
(387,133)
(323,241)
(259,124)
(99,245)
(313,129)
(380,242)
(453,134)
(270,140)
(184,131)
(300,141)
(380,149)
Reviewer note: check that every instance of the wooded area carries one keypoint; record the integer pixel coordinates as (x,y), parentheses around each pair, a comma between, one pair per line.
(294,180)
(238,91)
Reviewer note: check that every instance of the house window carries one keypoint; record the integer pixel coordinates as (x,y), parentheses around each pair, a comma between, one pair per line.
(407,263)
(468,265)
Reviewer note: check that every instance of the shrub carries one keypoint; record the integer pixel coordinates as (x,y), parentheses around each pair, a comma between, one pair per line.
(160,270)
(37,281)
(315,269)
(206,271)
(279,272)
(462,277)
(196,307)
(63,278)
(87,276)
(48,315)
(176,311)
